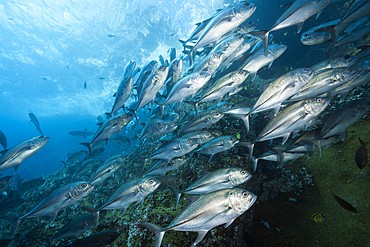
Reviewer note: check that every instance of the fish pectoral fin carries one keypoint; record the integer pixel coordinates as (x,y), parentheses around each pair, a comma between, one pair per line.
(299,27)
(229,223)
(200,236)
(285,138)
(53,216)
(270,64)
(123,210)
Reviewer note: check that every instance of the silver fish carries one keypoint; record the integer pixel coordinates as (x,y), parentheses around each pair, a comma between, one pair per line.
(122,94)
(281,89)
(296,14)
(311,37)
(203,136)
(333,63)
(210,210)
(210,63)
(3,140)
(187,86)
(223,22)
(217,145)
(129,69)
(105,171)
(221,87)
(65,196)
(174,148)
(161,167)
(261,58)
(325,82)
(157,127)
(84,133)
(130,192)
(202,121)
(35,121)
(108,128)
(291,118)
(12,157)
(219,179)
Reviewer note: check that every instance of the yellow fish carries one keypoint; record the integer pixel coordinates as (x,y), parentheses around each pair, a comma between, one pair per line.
(317,217)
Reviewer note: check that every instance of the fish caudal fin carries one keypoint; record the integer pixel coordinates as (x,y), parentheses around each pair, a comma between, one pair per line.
(15,222)
(157,230)
(88,145)
(264,35)
(178,195)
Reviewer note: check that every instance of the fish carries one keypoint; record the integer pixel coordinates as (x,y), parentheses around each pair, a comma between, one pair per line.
(129,192)
(145,72)
(161,167)
(122,139)
(123,93)
(129,69)
(325,82)
(60,198)
(333,63)
(73,157)
(317,217)
(108,128)
(13,157)
(296,14)
(209,63)
(217,145)
(311,37)
(174,74)
(85,85)
(221,87)
(351,15)
(223,22)
(101,78)
(167,181)
(240,111)
(174,148)
(110,35)
(78,225)
(202,120)
(107,169)
(84,133)
(99,239)
(291,118)
(281,89)
(35,121)
(157,127)
(85,166)
(343,117)
(3,140)
(187,86)
(4,183)
(210,210)
(361,154)
(261,58)
(344,204)
(151,86)
(203,136)
(219,179)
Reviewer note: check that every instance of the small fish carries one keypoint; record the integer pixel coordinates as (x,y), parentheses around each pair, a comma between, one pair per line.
(317,217)
(343,203)
(111,35)
(101,78)
(361,155)
(85,85)
(67,67)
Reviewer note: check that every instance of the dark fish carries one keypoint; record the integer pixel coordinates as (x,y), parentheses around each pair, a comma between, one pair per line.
(85,85)
(79,224)
(361,155)
(101,78)
(343,203)
(3,140)
(67,67)
(4,183)
(110,35)
(84,133)
(99,239)
(35,122)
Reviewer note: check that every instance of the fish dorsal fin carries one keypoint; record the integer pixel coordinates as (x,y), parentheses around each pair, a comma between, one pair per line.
(286,5)
(4,151)
(99,124)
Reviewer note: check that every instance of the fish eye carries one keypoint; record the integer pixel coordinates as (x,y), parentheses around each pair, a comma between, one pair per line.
(190,141)
(306,35)
(243,172)
(245,194)
(151,181)
(318,100)
(84,186)
(307,69)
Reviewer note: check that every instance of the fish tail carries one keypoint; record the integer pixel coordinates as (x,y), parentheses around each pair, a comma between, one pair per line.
(109,114)
(362,142)
(157,230)
(94,212)
(264,35)
(195,105)
(88,145)
(14,220)
(178,195)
